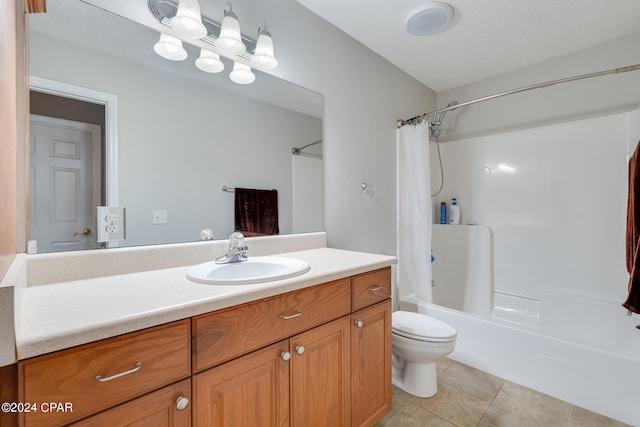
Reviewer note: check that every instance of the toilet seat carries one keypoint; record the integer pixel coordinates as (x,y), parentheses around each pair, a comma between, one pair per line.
(420,327)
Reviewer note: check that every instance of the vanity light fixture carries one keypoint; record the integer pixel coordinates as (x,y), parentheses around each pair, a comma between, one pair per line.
(263,56)
(217,39)
(209,62)
(230,39)
(188,22)
(170,48)
(241,74)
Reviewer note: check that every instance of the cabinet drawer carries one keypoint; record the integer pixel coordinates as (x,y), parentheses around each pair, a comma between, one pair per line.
(96,376)
(169,406)
(228,333)
(370,288)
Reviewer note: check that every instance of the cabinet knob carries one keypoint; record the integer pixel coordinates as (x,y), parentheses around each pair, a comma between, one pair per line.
(182,403)
(359,323)
(285,355)
(300,350)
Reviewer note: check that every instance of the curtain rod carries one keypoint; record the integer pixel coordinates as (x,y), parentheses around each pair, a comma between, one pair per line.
(296,150)
(425,116)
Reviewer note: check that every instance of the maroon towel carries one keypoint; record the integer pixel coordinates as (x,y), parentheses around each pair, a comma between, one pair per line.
(256,211)
(633,233)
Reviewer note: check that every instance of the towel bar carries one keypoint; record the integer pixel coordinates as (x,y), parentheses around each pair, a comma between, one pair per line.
(231,189)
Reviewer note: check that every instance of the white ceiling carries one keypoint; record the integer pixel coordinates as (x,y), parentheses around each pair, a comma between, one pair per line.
(486,38)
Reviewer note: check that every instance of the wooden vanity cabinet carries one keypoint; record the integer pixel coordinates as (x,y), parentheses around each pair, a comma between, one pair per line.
(318,356)
(336,372)
(301,381)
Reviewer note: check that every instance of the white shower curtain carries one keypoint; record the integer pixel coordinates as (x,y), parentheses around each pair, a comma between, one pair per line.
(414,210)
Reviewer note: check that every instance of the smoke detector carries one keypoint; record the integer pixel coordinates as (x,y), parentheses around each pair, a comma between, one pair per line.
(429,18)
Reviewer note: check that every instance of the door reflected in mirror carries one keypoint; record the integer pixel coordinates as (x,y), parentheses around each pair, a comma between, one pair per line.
(177,136)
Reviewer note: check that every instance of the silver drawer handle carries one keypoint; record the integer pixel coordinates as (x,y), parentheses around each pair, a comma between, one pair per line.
(377,288)
(359,323)
(121,374)
(291,316)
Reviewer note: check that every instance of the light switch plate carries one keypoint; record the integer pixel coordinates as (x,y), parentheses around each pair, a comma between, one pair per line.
(111,223)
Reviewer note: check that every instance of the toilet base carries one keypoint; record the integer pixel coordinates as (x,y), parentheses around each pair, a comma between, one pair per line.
(418,379)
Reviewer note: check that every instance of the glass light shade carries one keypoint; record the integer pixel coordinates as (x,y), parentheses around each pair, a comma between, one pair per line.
(209,62)
(241,74)
(170,47)
(230,39)
(188,22)
(263,56)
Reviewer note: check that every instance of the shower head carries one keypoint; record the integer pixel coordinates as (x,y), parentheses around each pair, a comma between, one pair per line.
(438,118)
(434,125)
(452,103)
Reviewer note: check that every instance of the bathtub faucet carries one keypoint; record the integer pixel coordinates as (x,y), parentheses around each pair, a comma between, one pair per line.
(237,251)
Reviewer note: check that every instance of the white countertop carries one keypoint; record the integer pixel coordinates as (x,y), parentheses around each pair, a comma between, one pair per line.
(61,315)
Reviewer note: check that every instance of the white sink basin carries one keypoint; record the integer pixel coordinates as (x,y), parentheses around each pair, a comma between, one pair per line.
(257,269)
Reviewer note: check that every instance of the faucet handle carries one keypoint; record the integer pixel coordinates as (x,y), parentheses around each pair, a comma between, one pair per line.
(237,250)
(236,239)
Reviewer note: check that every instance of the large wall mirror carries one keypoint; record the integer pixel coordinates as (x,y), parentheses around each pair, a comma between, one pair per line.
(114,124)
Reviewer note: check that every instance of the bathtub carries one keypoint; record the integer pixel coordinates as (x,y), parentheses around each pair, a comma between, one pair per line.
(589,357)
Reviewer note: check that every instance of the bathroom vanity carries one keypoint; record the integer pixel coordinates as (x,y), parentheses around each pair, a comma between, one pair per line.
(314,350)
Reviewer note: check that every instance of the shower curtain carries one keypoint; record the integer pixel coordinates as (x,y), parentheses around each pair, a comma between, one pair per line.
(414,210)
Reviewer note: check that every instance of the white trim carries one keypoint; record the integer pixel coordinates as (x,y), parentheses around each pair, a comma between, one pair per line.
(110,103)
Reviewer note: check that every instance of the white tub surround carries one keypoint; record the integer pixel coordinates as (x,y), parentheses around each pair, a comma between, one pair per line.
(470,247)
(577,348)
(140,293)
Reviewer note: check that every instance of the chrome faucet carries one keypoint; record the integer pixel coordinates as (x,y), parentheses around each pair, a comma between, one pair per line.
(237,251)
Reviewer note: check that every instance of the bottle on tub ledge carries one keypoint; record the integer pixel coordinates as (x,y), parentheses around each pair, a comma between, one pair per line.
(454,212)
(443,213)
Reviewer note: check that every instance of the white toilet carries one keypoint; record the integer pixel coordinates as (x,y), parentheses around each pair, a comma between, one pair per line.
(418,341)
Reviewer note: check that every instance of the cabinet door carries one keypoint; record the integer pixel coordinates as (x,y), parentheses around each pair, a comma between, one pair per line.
(250,391)
(320,392)
(168,407)
(371,364)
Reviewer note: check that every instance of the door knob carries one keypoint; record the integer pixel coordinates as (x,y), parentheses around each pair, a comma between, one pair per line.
(359,323)
(285,355)
(85,232)
(300,350)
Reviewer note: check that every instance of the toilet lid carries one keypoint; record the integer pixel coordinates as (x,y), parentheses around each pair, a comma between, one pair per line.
(421,327)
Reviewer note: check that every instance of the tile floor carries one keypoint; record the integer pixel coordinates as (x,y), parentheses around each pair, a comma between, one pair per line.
(468,397)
